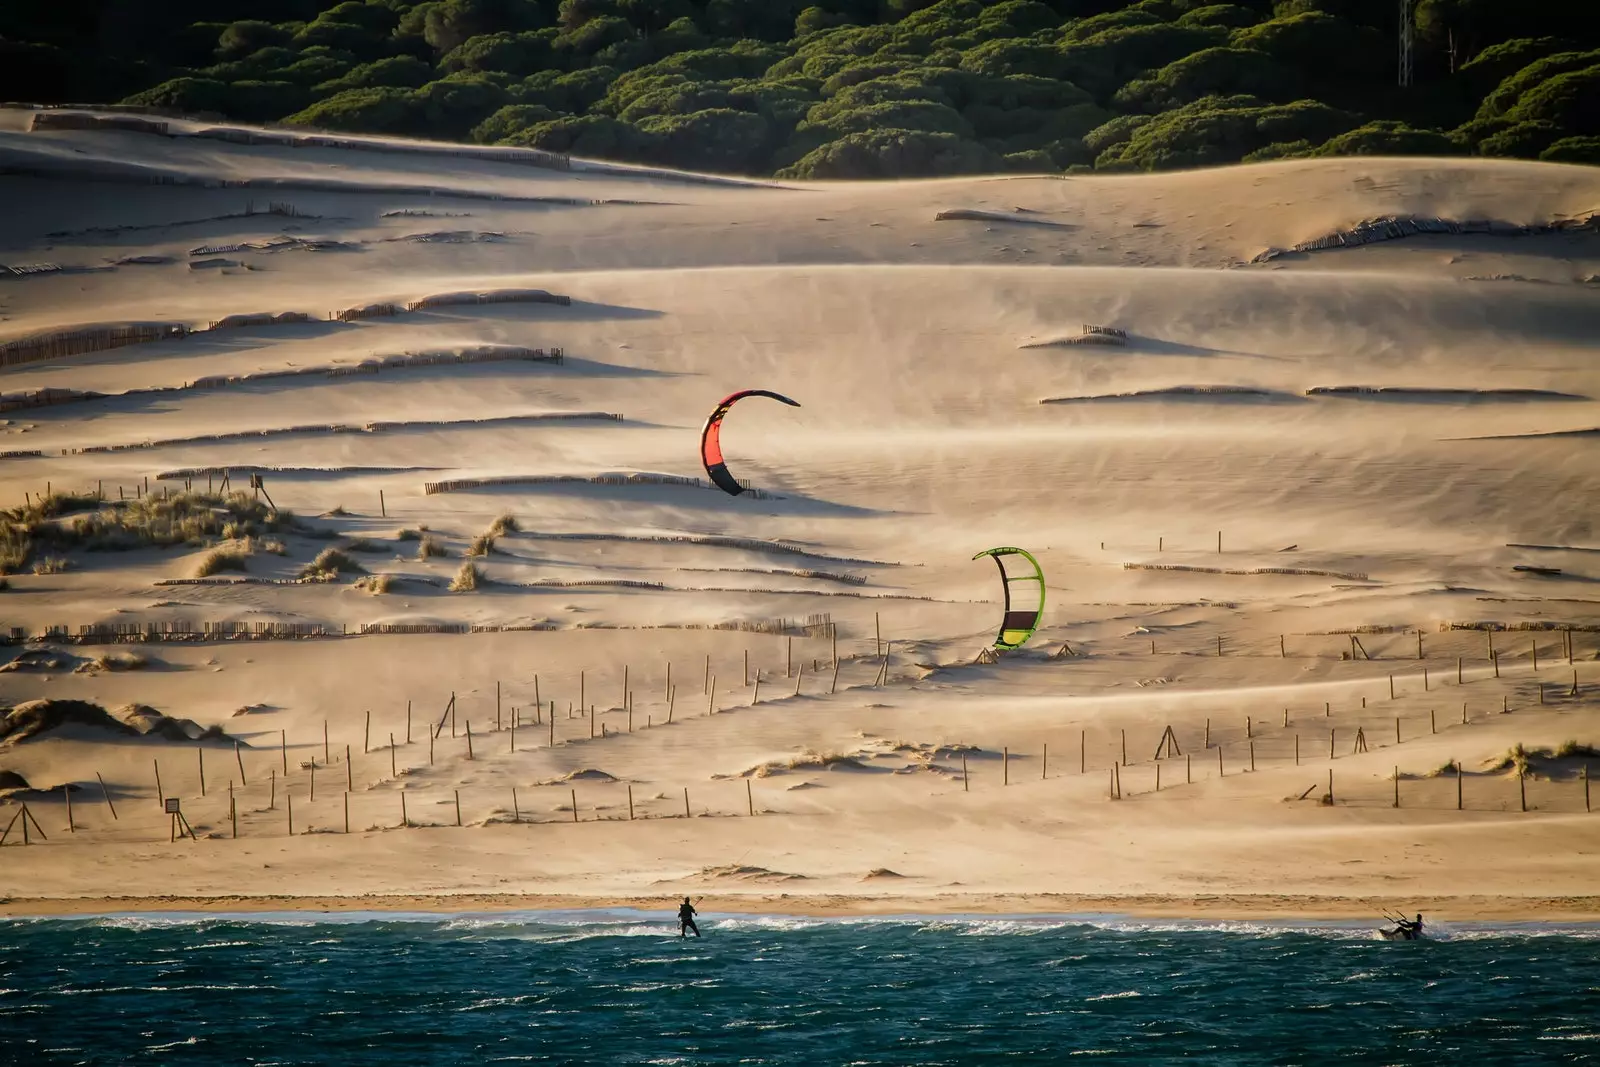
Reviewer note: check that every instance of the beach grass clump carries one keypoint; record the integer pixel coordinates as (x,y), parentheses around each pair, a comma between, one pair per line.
(1571,749)
(503,525)
(430,548)
(1447,768)
(226,558)
(338,512)
(272,545)
(408,534)
(51,565)
(362,544)
(377,584)
(121,661)
(192,518)
(467,579)
(481,545)
(329,564)
(1517,759)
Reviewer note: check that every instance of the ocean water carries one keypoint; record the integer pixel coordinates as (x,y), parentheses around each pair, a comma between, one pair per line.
(621,988)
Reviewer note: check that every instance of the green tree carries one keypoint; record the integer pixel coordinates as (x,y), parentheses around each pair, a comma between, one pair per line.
(510,121)
(242,38)
(517,54)
(383,109)
(406,72)
(894,154)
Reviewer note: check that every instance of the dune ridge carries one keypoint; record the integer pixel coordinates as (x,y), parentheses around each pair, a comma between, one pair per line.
(587,587)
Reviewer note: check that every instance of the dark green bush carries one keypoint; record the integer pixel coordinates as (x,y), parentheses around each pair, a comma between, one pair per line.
(894,154)
(1573,150)
(898,86)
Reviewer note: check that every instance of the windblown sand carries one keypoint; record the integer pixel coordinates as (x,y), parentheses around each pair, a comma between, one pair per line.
(1370,430)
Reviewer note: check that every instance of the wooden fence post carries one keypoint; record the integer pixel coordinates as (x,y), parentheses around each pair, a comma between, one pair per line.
(966,781)
(66,792)
(749,797)
(630,802)
(1005,765)
(350,768)
(106,793)
(239,758)
(393,772)
(458,807)
(686,814)
(346,811)
(1083,751)
(1458,783)
(200,757)
(161,796)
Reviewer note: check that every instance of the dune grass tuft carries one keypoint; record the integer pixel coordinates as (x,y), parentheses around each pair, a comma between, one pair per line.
(1571,749)
(227,558)
(377,583)
(503,525)
(330,563)
(481,545)
(467,579)
(121,661)
(429,548)
(361,544)
(51,565)
(338,512)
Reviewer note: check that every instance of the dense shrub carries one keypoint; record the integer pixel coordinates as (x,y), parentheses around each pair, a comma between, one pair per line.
(894,154)
(1221,130)
(896,86)
(1573,150)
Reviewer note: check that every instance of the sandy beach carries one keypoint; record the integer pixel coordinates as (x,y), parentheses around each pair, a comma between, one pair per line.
(1315,504)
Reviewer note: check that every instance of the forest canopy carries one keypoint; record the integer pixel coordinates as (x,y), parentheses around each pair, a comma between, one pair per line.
(848,88)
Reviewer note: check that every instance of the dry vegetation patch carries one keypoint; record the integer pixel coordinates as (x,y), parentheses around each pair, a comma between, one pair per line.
(468,579)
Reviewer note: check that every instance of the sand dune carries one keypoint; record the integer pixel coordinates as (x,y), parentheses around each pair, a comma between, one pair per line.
(437,389)
(1221,394)
(1424,394)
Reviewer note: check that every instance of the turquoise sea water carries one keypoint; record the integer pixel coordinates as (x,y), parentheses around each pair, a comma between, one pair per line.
(620,988)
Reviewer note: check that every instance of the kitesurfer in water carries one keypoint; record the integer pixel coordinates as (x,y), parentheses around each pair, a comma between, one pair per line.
(686,914)
(1410,930)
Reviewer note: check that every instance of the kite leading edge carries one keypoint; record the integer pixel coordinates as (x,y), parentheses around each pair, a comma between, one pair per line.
(1017,624)
(711,439)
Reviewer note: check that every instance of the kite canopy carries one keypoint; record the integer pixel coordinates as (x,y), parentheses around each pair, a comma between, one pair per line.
(711,439)
(1018,623)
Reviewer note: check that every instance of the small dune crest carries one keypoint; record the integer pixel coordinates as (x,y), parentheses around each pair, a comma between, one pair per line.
(1202,393)
(33,718)
(739,872)
(1431,394)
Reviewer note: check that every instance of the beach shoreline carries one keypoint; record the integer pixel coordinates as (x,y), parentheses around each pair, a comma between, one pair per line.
(1220,907)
